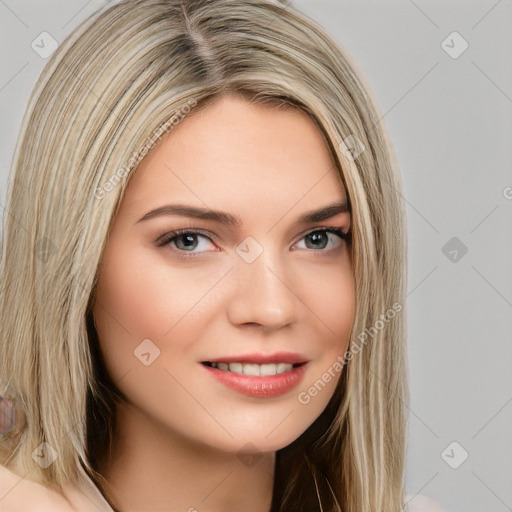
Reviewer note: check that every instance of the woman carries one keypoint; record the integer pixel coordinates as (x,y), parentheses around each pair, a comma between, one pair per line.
(203,274)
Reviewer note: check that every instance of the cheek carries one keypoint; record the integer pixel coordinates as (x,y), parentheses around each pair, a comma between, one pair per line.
(140,298)
(331,299)
(340,310)
(332,302)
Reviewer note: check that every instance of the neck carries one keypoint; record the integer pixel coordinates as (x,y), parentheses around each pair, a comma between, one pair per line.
(162,470)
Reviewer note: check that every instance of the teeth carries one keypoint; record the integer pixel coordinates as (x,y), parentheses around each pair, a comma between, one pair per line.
(250,369)
(269,369)
(254,369)
(283,367)
(235,367)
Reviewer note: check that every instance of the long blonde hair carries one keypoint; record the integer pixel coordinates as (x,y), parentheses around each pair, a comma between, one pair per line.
(127,70)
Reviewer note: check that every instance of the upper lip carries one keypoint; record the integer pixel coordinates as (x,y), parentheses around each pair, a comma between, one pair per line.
(261,358)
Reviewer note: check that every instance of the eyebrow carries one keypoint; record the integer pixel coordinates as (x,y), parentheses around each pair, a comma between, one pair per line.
(229,219)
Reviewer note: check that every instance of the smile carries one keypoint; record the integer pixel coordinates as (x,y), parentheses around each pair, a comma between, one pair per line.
(250,378)
(252,368)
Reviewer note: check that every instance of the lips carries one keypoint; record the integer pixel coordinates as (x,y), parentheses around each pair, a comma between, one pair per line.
(259,375)
(261,385)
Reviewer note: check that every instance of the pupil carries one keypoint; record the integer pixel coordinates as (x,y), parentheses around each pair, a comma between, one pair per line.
(318,237)
(190,241)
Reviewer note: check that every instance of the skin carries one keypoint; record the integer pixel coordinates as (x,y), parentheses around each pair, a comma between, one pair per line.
(180,438)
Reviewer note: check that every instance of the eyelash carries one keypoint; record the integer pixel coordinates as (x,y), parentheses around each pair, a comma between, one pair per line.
(169,237)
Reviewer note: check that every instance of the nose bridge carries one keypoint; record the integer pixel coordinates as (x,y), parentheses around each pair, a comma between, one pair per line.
(263,293)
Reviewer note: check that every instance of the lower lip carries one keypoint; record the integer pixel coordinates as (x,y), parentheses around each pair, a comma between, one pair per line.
(261,387)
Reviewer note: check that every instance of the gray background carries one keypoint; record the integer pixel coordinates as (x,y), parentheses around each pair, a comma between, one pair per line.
(449,117)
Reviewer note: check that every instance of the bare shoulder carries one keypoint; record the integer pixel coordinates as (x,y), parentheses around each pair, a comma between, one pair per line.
(421,503)
(20,494)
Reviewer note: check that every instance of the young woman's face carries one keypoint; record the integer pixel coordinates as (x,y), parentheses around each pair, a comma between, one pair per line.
(229,291)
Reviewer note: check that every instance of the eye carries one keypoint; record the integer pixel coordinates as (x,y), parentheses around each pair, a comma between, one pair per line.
(185,240)
(320,238)
(189,243)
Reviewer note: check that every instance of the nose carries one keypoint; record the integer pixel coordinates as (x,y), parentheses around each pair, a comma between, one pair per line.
(263,295)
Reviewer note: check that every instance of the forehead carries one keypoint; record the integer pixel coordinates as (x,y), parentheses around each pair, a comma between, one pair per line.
(239,154)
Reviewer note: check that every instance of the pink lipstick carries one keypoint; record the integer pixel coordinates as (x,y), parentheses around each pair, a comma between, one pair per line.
(259,375)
